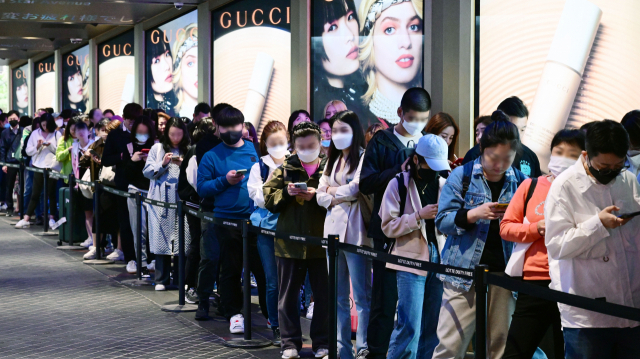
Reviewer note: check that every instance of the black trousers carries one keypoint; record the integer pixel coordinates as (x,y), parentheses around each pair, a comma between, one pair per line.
(384,297)
(10,177)
(38,186)
(193,252)
(126,236)
(230,290)
(291,275)
(163,269)
(530,321)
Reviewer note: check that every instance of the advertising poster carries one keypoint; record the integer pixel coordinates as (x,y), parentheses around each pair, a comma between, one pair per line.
(252,59)
(115,73)
(364,55)
(75,80)
(171,63)
(46,83)
(570,61)
(20,89)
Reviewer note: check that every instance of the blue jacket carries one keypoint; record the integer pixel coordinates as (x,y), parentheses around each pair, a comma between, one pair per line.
(463,248)
(229,201)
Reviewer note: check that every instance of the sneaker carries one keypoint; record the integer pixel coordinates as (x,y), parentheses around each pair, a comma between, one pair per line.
(132,267)
(191,296)
(276,336)
(3,207)
(23,224)
(254,284)
(160,287)
(362,354)
(52,223)
(290,353)
(91,254)
(11,213)
(117,255)
(203,310)
(151,267)
(39,221)
(310,311)
(87,242)
(236,324)
(321,353)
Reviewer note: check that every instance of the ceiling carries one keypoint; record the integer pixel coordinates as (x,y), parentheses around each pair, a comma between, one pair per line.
(30,27)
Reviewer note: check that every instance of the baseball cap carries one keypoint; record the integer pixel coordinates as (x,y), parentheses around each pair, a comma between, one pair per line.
(434,150)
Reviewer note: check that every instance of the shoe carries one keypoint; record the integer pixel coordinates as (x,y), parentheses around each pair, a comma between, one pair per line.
(11,213)
(108,249)
(151,267)
(236,324)
(321,353)
(91,254)
(203,310)
(23,224)
(310,311)
(362,354)
(254,284)
(39,221)
(132,268)
(160,287)
(3,207)
(117,255)
(290,353)
(276,336)
(191,296)
(52,223)
(87,242)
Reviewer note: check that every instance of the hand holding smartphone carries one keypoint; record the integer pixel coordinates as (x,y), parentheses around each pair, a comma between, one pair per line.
(629,215)
(241,172)
(300,185)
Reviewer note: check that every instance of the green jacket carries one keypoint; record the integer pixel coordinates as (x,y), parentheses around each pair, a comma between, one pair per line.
(296,216)
(63,155)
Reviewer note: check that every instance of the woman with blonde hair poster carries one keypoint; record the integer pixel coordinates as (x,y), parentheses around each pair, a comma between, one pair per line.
(391,41)
(185,70)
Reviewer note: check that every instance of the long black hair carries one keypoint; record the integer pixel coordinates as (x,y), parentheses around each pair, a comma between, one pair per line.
(67,128)
(351,119)
(51,125)
(183,146)
(500,132)
(328,12)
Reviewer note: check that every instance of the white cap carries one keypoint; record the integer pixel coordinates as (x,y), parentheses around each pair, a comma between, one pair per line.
(261,77)
(435,151)
(575,34)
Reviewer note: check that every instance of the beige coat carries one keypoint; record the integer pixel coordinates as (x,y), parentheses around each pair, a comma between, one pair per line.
(410,234)
(344,219)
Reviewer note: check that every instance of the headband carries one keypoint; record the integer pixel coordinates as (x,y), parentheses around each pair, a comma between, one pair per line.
(188,45)
(374,13)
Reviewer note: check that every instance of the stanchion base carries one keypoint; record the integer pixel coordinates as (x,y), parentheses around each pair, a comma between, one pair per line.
(247,344)
(137,282)
(177,308)
(98,261)
(46,234)
(63,248)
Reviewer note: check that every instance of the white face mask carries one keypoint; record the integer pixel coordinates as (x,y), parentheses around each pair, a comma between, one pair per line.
(277,152)
(59,122)
(414,128)
(308,156)
(558,164)
(342,140)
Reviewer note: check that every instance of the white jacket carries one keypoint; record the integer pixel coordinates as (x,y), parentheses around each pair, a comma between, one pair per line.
(585,258)
(46,156)
(254,184)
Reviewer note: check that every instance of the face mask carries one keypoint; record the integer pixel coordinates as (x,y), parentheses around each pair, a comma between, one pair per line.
(59,122)
(308,156)
(427,174)
(414,128)
(557,164)
(13,123)
(277,151)
(231,137)
(142,138)
(342,140)
(604,178)
(325,143)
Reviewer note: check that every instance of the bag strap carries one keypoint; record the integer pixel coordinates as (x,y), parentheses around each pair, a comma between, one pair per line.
(466,178)
(402,192)
(532,188)
(264,170)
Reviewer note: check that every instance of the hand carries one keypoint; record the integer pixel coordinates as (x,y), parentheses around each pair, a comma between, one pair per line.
(292,190)
(541,227)
(308,194)
(611,220)
(139,156)
(40,143)
(485,211)
(4,169)
(87,153)
(403,167)
(167,158)
(177,160)
(336,201)
(429,211)
(96,159)
(234,178)
(332,190)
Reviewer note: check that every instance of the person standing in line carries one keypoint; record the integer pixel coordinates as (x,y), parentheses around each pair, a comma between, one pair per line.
(78,148)
(9,142)
(593,252)
(386,156)
(631,123)
(338,193)
(63,150)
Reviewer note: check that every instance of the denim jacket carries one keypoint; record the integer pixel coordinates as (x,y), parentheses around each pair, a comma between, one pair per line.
(463,248)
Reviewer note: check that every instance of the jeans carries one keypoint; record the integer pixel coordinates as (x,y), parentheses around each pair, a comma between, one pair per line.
(133,218)
(209,262)
(358,268)
(268,257)
(610,343)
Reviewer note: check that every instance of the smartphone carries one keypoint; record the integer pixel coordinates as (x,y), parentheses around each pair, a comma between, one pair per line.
(145,151)
(94,153)
(458,162)
(501,205)
(241,172)
(300,185)
(629,215)
(175,158)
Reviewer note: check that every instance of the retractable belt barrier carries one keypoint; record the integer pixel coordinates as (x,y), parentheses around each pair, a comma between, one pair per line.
(58,175)
(34,169)
(118,192)
(12,165)
(85,183)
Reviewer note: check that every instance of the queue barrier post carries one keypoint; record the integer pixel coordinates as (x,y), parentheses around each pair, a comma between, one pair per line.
(21,182)
(97,185)
(480,279)
(139,281)
(332,251)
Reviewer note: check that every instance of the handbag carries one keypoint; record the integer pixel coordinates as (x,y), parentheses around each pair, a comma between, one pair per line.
(366,208)
(107,176)
(55,165)
(86,190)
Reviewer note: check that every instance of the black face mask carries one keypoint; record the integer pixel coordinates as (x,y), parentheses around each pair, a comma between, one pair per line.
(427,174)
(231,137)
(13,123)
(605,178)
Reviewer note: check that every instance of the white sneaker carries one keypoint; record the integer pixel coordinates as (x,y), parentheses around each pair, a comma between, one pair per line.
(160,287)
(87,242)
(290,353)
(23,224)
(117,255)
(321,353)
(52,223)
(151,267)
(132,267)
(91,254)
(236,324)
(3,207)
(310,311)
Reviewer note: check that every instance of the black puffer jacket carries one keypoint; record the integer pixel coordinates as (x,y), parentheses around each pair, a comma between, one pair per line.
(9,142)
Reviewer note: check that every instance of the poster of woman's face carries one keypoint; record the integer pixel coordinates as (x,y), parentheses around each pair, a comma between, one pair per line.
(20,88)
(366,53)
(75,76)
(172,66)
